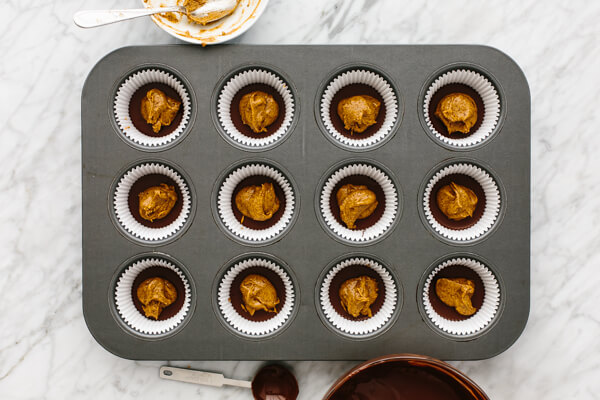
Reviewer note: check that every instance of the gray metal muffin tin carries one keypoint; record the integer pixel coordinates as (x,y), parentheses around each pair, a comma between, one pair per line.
(203,249)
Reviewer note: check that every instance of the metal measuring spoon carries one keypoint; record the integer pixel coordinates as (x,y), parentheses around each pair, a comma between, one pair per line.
(94,18)
(273,382)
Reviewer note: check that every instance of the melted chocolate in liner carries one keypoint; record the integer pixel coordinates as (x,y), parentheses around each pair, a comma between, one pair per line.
(354,271)
(258,180)
(446,90)
(373,186)
(456,271)
(144,183)
(401,381)
(165,273)
(468,182)
(236,117)
(274,380)
(135,112)
(235,294)
(356,89)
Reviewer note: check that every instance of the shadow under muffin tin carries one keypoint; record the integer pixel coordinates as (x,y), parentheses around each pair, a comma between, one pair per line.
(306,154)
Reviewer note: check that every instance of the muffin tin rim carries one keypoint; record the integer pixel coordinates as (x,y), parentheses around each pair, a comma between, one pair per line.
(400,294)
(113,307)
(497,317)
(214,199)
(214,102)
(340,69)
(457,160)
(472,67)
(193,109)
(358,160)
(148,243)
(214,294)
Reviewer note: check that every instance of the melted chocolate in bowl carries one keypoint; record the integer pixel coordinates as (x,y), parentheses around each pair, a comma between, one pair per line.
(135,112)
(236,117)
(235,294)
(274,382)
(354,271)
(449,89)
(169,275)
(373,186)
(456,271)
(463,180)
(144,183)
(258,180)
(403,380)
(356,89)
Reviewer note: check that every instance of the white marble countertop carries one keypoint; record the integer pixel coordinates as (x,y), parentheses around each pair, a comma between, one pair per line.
(46,350)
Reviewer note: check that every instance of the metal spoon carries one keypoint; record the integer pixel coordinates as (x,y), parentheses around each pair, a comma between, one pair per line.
(272,382)
(94,18)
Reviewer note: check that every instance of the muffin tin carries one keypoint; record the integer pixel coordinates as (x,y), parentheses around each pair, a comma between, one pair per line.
(203,248)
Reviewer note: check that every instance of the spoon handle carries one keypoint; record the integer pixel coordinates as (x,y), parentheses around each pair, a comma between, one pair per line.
(94,18)
(199,377)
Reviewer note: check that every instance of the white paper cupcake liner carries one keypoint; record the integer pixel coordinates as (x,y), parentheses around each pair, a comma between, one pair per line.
(126,91)
(378,83)
(123,213)
(492,202)
(250,77)
(225,210)
(482,317)
(369,325)
(391,203)
(237,321)
(126,308)
(488,95)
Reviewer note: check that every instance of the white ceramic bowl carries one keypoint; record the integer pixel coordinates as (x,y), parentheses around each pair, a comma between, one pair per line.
(244,16)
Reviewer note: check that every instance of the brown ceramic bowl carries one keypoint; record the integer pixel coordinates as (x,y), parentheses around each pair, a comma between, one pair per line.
(400,376)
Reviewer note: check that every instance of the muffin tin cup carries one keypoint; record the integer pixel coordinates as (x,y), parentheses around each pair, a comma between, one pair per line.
(233,85)
(224,210)
(359,329)
(130,314)
(491,213)
(489,95)
(380,84)
(124,217)
(237,322)
(390,215)
(484,316)
(121,107)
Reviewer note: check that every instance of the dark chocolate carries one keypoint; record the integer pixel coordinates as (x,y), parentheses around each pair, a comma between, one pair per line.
(258,180)
(144,183)
(449,89)
(274,380)
(468,182)
(356,89)
(354,271)
(235,294)
(373,186)
(456,271)
(165,273)
(135,112)
(236,117)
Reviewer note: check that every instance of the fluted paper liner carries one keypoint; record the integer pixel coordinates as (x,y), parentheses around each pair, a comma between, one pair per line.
(482,317)
(378,83)
(237,321)
(225,208)
(492,202)
(391,203)
(486,91)
(126,308)
(126,91)
(367,326)
(250,77)
(123,213)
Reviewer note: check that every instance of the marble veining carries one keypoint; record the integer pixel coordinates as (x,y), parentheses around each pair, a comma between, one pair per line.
(46,350)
